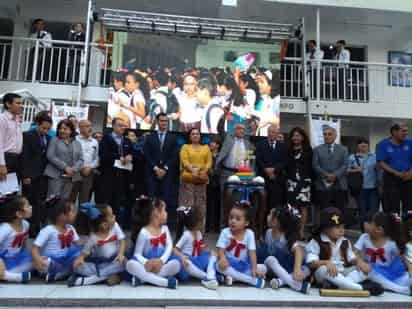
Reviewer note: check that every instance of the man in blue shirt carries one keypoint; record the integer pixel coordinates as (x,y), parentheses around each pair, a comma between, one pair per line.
(394,156)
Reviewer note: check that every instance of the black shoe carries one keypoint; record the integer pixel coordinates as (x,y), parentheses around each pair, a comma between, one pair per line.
(328,285)
(375,289)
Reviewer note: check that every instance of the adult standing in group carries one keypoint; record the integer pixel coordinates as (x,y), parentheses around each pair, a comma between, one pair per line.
(65,159)
(363,163)
(115,155)
(90,148)
(271,161)
(234,150)
(11,135)
(162,156)
(299,173)
(195,165)
(330,165)
(34,161)
(394,155)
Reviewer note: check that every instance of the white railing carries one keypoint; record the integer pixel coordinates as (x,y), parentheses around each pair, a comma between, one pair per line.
(58,62)
(359,82)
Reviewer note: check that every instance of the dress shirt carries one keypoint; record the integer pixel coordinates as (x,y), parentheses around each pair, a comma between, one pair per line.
(90,149)
(11,135)
(343,58)
(237,153)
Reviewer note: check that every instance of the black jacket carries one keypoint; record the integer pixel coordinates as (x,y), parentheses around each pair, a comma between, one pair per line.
(109,150)
(34,158)
(266,157)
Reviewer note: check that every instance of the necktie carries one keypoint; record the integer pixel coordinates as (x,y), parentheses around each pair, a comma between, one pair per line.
(312,54)
(161,139)
(236,152)
(235,245)
(330,148)
(161,240)
(43,142)
(105,241)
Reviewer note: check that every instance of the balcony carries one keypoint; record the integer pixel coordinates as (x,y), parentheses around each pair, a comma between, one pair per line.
(53,69)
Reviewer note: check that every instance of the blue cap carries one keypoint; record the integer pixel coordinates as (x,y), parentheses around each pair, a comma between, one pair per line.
(90,210)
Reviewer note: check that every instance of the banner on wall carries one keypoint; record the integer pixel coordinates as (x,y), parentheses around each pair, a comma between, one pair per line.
(60,112)
(316,130)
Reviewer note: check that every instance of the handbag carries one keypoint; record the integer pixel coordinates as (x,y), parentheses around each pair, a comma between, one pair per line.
(355,180)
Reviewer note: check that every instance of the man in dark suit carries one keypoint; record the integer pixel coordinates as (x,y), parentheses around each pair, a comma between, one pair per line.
(330,164)
(271,161)
(115,153)
(34,161)
(161,163)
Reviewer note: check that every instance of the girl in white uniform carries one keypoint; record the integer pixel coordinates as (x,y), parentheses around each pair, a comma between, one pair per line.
(152,261)
(380,255)
(237,249)
(331,256)
(15,259)
(56,247)
(103,255)
(284,253)
(407,237)
(190,249)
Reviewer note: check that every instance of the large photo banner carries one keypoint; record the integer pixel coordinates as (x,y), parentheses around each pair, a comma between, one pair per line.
(197,89)
(316,130)
(60,112)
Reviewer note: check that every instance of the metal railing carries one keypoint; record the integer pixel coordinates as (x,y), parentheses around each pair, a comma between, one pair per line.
(57,62)
(358,82)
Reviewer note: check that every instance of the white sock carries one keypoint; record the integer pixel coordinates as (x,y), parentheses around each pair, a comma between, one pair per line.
(169,269)
(211,269)
(339,280)
(194,271)
(89,280)
(137,269)
(389,285)
(238,276)
(272,263)
(12,277)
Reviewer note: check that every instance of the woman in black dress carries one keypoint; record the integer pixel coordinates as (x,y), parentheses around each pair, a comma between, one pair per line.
(299,172)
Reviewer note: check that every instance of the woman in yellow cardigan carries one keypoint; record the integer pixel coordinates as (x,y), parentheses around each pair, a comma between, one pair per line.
(195,165)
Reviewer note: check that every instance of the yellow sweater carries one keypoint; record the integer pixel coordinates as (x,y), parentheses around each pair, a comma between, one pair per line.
(196,156)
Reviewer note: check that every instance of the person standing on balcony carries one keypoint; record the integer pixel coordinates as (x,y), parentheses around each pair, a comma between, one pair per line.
(394,155)
(314,54)
(343,58)
(11,135)
(330,165)
(34,161)
(90,149)
(38,32)
(76,34)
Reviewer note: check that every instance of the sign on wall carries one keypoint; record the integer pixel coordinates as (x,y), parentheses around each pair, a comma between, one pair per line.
(60,112)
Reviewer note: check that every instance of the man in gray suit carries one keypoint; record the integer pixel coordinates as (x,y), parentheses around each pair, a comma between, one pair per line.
(330,163)
(235,148)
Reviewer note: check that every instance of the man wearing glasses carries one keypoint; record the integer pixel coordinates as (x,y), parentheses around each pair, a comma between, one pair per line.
(330,163)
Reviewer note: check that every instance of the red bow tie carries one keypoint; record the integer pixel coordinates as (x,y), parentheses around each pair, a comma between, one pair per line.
(159,240)
(374,254)
(197,247)
(66,239)
(105,241)
(19,239)
(235,245)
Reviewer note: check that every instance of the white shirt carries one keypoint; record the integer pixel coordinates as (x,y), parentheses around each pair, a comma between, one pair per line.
(11,241)
(374,255)
(187,241)
(113,106)
(238,152)
(143,245)
(49,241)
(313,252)
(278,244)
(161,98)
(105,248)
(214,112)
(189,109)
(270,112)
(240,253)
(317,55)
(408,252)
(343,57)
(90,149)
(44,38)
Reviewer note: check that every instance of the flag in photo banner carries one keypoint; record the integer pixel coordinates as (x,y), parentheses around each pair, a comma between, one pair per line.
(60,112)
(316,130)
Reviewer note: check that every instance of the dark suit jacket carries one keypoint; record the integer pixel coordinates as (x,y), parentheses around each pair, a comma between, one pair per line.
(34,158)
(266,157)
(109,151)
(166,157)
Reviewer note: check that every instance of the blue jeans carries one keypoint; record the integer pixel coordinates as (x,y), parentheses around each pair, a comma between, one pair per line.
(367,201)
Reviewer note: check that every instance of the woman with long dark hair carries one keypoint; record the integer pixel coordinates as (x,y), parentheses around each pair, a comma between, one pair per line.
(299,172)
